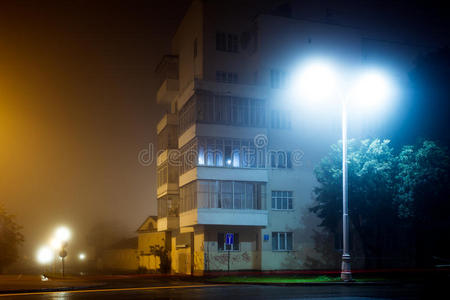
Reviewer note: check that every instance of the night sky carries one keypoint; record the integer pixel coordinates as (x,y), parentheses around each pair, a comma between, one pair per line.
(77,104)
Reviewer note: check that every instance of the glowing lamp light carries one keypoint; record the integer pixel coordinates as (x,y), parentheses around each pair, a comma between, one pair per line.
(55,244)
(372,89)
(62,234)
(45,255)
(229,162)
(82,256)
(316,81)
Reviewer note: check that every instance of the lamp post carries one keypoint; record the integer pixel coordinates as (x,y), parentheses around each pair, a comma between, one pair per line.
(346,273)
(62,236)
(318,80)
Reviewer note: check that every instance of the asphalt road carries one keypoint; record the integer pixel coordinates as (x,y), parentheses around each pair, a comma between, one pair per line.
(202,291)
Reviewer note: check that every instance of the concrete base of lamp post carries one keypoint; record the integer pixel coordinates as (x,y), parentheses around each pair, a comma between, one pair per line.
(346,273)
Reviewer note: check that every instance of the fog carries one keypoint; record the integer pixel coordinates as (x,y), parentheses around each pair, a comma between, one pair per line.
(76,106)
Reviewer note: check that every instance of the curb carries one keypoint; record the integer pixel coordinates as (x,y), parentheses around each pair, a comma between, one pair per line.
(368,283)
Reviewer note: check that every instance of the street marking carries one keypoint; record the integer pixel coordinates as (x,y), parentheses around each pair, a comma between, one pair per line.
(113,290)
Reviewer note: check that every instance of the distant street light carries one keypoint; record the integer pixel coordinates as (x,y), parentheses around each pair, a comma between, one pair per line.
(44,255)
(318,81)
(62,236)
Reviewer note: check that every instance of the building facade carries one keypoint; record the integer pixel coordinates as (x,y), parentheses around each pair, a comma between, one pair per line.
(235,155)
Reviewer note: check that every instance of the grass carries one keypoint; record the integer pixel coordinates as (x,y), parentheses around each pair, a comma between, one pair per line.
(286,279)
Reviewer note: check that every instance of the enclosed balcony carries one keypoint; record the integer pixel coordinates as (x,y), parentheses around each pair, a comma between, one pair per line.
(213,202)
(167,182)
(168,211)
(167,138)
(167,72)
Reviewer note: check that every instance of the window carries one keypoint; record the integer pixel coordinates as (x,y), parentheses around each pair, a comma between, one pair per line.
(280,119)
(222,152)
(282,200)
(188,197)
(226,42)
(278,79)
(282,241)
(222,194)
(162,175)
(228,77)
(168,206)
(190,156)
(281,159)
(221,242)
(187,115)
(236,111)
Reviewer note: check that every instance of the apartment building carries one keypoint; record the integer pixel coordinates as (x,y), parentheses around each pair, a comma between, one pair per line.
(235,155)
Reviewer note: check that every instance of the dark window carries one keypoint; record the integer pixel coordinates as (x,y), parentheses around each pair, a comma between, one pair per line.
(282,200)
(228,77)
(281,159)
(282,241)
(280,119)
(278,79)
(227,42)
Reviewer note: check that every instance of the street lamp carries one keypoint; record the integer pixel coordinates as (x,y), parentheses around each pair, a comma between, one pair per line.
(44,255)
(318,81)
(60,240)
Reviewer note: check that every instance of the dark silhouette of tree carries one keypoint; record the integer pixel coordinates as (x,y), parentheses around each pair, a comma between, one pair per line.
(164,258)
(10,239)
(371,172)
(423,198)
(398,204)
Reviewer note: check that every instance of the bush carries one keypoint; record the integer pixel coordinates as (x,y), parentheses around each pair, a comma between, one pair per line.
(164,258)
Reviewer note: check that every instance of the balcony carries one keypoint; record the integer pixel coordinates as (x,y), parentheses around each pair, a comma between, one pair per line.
(169,155)
(167,91)
(220,216)
(168,212)
(167,73)
(213,202)
(215,173)
(168,223)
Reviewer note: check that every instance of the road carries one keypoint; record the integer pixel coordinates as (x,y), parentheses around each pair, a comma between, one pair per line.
(216,292)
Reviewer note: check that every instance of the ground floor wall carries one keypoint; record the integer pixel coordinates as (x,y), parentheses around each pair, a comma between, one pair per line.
(199,251)
(120,260)
(148,261)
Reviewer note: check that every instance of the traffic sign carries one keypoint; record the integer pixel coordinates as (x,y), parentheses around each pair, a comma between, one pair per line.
(229,240)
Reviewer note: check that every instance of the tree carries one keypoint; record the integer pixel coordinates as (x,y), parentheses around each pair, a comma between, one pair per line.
(371,169)
(423,198)
(398,204)
(10,239)
(164,258)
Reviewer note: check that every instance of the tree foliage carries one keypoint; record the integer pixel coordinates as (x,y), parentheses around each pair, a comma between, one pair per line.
(423,182)
(164,258)
(10,239)
(389,194)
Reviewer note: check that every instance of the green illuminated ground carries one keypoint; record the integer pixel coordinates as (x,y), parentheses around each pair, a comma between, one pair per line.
(286,279)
